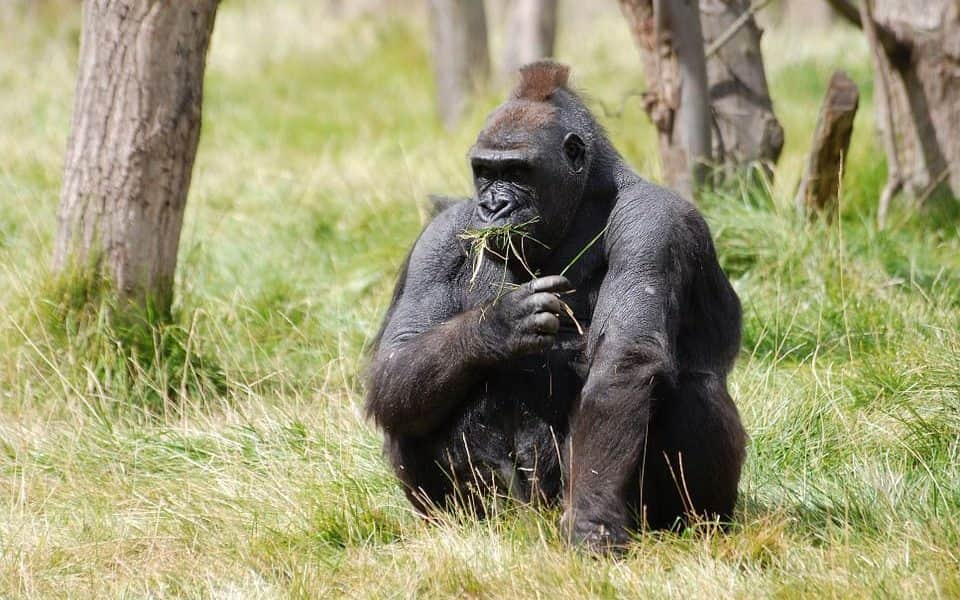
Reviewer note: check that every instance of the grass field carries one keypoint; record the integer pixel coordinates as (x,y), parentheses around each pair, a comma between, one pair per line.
(227,455)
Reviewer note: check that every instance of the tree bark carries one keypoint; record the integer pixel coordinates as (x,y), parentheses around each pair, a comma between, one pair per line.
(746,129)
(461,61)
(883,69)
(671,43)
(923,99)
(849,11)
(531,32)
(820,181)
(136,123)
(808,14)
(918,92)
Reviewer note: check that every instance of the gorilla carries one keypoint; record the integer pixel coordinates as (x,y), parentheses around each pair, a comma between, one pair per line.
(496,378)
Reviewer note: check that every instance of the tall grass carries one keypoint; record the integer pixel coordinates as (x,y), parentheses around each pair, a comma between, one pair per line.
(226,455)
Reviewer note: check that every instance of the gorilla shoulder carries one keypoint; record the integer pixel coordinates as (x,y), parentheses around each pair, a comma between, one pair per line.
(439,248)
(652,216)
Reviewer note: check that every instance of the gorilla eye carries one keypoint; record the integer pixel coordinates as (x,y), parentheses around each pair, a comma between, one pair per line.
(482,172)
(514,171)
(575,152)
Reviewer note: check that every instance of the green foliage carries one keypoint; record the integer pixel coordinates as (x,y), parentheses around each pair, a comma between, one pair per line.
(224,452)
(150,362)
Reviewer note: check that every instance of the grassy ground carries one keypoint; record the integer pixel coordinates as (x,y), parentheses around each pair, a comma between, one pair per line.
(228,456)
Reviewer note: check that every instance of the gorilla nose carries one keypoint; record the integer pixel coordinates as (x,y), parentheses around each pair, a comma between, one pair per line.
(493,209)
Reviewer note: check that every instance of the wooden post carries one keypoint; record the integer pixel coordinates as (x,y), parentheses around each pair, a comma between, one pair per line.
(831,139)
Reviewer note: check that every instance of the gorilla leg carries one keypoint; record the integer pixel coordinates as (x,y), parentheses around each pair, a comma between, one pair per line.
(445,473)
(693,454)
(426,486)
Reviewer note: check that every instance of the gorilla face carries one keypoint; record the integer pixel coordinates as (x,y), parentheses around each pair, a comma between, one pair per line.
(537,183)
(506,189)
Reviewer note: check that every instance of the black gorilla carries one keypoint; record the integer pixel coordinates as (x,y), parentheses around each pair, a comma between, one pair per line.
(485,393)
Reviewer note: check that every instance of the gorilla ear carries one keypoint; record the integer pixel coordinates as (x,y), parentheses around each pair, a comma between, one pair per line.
(575,152)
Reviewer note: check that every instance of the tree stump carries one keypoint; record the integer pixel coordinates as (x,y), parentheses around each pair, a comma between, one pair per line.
(820,181)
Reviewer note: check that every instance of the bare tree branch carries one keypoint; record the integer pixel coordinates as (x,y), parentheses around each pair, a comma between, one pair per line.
(718,43)
(848,10)
(882,62)
(896,48)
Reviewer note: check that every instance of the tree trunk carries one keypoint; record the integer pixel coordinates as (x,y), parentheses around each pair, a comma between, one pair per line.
(677,101)
(820,181)
(924,91)
(461,62)
(746,129)
(531,32)
(136,123)
(807,14)
(916,49)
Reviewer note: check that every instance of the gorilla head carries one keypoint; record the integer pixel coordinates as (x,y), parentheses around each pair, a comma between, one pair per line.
(531,161)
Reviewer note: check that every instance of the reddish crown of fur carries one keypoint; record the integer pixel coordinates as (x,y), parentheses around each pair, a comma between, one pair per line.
(539,80)
(528,109)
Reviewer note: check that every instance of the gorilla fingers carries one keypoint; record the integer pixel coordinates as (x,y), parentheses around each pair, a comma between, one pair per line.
(525,320)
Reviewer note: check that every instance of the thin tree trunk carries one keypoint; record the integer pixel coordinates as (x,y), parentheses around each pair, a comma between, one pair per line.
(136,123)
(677,100)
(461,61)
(531,32)
(746,129)
(884,75)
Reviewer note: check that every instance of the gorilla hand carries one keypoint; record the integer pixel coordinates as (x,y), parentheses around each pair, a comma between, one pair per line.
(525,320)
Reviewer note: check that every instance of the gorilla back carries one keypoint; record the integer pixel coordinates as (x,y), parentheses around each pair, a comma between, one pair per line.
(485,386)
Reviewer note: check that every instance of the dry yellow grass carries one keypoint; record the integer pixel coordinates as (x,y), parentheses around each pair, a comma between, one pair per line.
(230,458)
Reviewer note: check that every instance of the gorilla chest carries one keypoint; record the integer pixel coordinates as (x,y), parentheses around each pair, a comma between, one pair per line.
(514,427)
(512,430)
(513,433)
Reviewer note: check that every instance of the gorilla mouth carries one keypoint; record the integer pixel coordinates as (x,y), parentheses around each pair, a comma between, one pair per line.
(507,215)
(502,241)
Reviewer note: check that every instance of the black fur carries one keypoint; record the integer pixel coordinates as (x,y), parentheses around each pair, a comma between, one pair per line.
(483,393)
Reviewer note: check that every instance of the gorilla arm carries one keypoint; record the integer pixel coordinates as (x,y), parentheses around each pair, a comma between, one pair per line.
(432,353)
(428,350)
(630,350)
